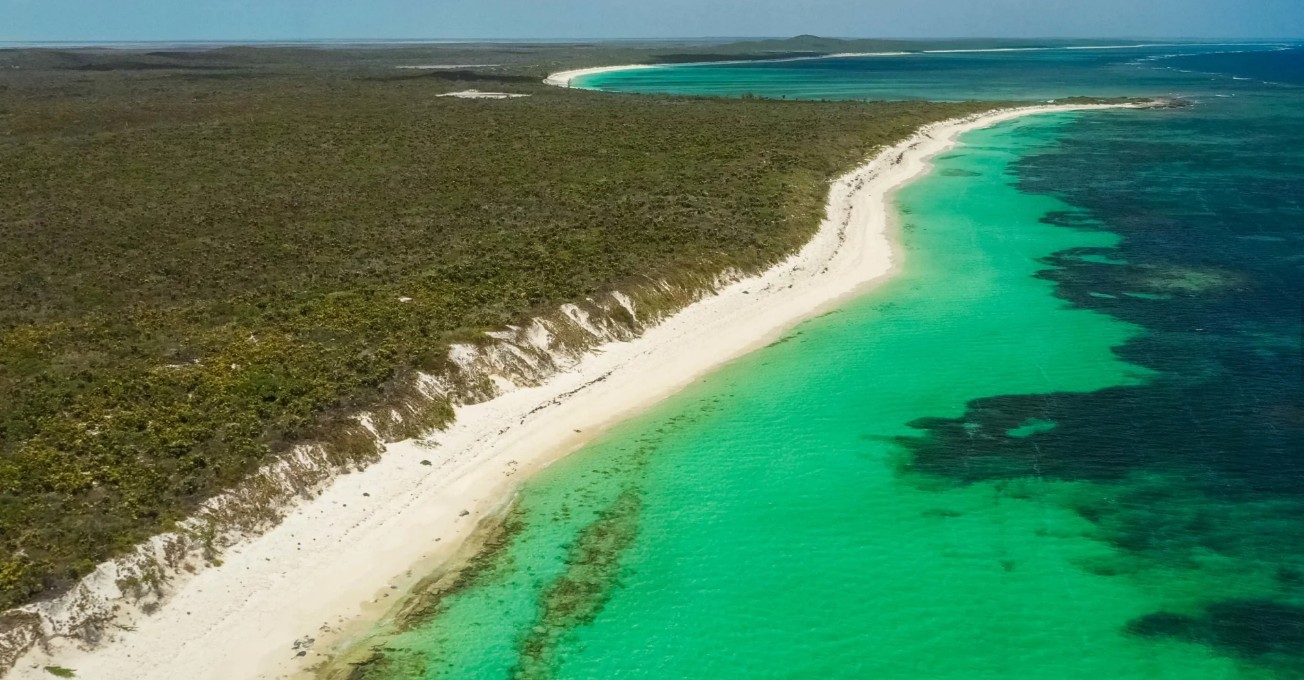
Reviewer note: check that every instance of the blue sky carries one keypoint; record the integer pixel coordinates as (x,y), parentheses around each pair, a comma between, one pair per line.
(95,20)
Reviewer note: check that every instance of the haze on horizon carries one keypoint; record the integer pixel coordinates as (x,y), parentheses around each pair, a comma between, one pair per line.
(255,20)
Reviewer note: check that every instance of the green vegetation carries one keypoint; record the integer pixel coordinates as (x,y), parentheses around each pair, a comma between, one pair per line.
(60,672)
(202,254)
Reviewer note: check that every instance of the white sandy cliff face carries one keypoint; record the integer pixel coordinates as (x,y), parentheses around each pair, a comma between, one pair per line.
(347,553)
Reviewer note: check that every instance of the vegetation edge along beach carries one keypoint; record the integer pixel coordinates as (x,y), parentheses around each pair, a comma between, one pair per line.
(866,193)
(86,614)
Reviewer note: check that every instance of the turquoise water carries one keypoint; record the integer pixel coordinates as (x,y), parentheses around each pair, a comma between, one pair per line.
(1063,443)
(991,75)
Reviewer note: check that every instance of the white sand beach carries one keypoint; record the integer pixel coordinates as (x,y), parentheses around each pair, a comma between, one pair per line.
(565,78)
(339,560)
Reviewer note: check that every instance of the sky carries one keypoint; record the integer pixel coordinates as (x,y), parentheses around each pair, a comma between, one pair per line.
(235,20)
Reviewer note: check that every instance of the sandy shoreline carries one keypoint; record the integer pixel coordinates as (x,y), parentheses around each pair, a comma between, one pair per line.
(564,78)
(342,558)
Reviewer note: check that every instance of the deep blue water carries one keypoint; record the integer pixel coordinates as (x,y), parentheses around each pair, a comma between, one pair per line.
(1203,466)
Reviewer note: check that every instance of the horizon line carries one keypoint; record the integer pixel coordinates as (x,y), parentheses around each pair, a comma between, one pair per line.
(577,40)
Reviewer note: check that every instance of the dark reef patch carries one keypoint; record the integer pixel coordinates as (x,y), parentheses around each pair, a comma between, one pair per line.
(1206,457)
(1258,630)
(577,596)
(428,599)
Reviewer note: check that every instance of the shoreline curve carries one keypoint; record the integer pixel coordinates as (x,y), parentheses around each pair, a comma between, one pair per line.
(328,570)
(566,78)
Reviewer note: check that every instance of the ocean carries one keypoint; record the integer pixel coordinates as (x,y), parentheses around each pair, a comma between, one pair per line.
(1067,441)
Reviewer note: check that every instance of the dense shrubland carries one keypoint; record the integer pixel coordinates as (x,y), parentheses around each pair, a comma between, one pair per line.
(201,265)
